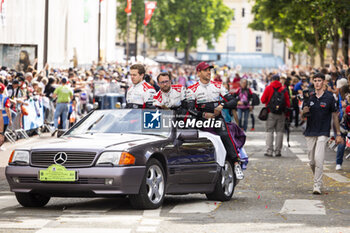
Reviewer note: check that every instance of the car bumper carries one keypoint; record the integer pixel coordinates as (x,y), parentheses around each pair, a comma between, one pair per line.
(91,181)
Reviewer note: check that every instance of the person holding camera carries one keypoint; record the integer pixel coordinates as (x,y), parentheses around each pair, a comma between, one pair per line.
(319,109)
(276,99)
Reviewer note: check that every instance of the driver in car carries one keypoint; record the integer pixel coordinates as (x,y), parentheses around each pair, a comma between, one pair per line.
(170,96)
(140,94)
(203,101)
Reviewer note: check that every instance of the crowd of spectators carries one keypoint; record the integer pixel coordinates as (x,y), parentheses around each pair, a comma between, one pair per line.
(20,86)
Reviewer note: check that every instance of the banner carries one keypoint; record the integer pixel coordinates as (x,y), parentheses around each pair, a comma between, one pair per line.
(3,12)
(86,11)
(35,117)
(149,9)
(128,7)
(1,3)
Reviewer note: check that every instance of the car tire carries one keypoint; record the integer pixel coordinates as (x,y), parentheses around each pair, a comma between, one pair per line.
(152,190)
(32,199)
(225,184)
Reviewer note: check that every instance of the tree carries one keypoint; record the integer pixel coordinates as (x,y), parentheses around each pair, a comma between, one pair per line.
(302,21)
(136,18)
(189,21)
(186,20)
(343,18)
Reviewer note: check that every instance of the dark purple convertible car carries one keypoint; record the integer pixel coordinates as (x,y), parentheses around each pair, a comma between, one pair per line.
(111,153)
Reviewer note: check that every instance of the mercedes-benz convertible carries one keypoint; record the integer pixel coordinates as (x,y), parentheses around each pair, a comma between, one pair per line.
(129,152)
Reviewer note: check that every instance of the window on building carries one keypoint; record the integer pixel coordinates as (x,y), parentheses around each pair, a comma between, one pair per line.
(243,12)
(234,13)
(258,43)
(231,43)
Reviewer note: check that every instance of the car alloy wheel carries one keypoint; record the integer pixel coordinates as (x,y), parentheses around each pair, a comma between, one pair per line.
(225,183)
(227,180)
(155,184)
(152,189)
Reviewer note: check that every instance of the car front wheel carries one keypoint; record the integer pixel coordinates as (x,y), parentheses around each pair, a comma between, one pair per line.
(32,199)
(225,184)
(152,190)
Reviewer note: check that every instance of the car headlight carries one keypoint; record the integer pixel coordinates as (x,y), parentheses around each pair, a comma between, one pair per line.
(19,157)
(115,158)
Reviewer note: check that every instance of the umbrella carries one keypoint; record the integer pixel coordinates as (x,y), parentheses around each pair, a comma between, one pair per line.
(164,58)
(143,60)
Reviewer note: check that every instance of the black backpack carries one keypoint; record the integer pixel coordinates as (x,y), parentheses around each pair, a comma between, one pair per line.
(255,99)
(277,104)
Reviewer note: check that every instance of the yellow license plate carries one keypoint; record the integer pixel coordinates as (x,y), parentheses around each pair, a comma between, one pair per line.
(57,172)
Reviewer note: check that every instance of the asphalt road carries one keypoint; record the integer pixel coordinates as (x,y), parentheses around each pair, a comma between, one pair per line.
(275,196)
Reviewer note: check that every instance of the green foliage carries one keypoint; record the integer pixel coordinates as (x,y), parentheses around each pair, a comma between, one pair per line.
(307,23)
(187,20)
(136,18)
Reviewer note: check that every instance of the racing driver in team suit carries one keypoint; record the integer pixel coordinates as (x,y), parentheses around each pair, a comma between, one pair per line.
(170,96)
(203,102)
(140,94)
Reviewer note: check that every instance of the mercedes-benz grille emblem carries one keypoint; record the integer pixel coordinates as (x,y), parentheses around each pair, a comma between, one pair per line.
(60,158)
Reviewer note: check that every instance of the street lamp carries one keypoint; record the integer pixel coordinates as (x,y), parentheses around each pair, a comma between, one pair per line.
(177,40)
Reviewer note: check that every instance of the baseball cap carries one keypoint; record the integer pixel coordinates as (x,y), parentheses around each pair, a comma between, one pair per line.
(347,110)
(202,66)
(2,87)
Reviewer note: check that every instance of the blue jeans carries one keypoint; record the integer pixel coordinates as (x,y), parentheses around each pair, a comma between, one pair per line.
(245,113)
(61,110)
(340,151)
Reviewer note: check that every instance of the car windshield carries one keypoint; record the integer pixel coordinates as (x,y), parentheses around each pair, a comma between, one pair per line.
(133,121)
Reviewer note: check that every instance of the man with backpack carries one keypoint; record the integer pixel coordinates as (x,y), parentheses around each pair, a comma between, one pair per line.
(276,99)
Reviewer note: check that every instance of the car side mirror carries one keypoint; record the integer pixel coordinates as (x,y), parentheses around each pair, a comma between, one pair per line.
(188,135)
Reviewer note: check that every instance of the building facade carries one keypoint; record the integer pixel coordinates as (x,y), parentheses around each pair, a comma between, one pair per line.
(240,45)
(72,31)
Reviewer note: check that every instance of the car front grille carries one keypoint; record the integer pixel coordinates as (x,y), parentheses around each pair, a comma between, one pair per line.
(31,180)
(74,158)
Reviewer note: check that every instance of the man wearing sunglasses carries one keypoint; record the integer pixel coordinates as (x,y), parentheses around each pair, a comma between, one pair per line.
(203,102)
(169,96)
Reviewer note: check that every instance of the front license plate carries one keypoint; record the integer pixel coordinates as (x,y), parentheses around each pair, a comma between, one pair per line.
(57,173)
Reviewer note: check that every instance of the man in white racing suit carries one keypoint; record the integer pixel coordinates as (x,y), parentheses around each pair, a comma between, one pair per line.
(169,96)
(140,94)
(203,102)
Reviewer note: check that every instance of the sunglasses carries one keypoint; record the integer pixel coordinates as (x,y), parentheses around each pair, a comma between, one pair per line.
(164,82)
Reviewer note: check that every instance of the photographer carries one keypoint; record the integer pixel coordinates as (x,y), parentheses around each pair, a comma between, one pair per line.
(319,110)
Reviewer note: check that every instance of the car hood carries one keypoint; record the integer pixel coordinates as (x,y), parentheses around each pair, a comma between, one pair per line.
(98,142)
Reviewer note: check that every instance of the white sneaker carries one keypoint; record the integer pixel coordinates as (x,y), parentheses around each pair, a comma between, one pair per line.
(239,172)
(338,167)
(317,189)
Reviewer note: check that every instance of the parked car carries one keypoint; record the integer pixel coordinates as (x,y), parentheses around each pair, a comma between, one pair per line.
(111,152)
